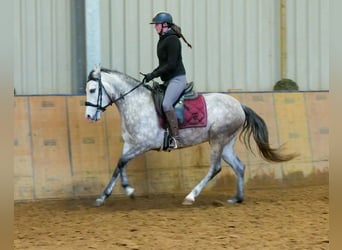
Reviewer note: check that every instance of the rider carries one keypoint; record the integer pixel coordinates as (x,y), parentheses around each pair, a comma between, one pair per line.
(171,69)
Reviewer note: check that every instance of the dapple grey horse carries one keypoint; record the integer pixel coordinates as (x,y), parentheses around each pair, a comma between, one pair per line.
(141,131)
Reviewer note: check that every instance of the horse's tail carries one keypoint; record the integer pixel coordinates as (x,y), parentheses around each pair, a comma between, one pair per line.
(255,125)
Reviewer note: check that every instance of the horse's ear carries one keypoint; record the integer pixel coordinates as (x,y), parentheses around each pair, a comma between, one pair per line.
(96,73)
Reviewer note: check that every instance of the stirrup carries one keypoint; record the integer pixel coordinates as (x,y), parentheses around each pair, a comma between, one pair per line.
(170,142)
(173,142)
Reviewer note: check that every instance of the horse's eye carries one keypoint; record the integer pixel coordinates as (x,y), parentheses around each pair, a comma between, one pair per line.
(92,91)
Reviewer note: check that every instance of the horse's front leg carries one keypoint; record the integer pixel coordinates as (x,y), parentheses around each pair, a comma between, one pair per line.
(124,182)
(129,152)
(120,170)
(109,188)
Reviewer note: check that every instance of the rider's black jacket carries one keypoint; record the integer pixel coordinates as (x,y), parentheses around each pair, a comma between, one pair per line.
(169,51)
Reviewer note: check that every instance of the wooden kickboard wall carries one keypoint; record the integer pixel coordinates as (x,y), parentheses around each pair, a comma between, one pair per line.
(23,166)
(50,147)
(59,154)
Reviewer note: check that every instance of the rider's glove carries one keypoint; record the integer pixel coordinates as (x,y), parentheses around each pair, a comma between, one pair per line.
(149,77)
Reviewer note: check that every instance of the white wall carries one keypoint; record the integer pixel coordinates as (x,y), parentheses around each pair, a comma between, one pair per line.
(42,52)
(236,43)
(308,43)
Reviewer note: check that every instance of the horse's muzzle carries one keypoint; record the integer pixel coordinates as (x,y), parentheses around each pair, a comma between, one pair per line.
(92,118)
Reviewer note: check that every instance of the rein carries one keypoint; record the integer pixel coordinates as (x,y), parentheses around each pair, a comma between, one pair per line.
(123,95)
(99,98)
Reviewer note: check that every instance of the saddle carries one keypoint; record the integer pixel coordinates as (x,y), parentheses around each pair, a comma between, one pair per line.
(190,109)
(158,92)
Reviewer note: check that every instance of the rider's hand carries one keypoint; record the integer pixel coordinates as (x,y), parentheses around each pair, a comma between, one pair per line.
(148,77)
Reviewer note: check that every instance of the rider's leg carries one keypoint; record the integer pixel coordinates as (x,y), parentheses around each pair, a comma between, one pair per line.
(174,89)
(173,124)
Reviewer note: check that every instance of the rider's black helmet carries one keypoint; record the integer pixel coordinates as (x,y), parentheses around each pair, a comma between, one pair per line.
(162,17)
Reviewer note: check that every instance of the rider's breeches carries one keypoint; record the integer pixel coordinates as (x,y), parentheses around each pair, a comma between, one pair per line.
(173,91)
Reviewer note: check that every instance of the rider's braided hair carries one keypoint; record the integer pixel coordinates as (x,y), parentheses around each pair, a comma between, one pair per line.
(178,31)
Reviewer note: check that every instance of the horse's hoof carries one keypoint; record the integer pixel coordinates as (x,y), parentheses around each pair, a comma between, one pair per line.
(234,200)
(218,203)
(99,202)
(132,196)
(188,202)
(129,191)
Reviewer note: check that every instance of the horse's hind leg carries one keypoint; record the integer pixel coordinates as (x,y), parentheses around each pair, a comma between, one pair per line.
(229,156)
(215,168)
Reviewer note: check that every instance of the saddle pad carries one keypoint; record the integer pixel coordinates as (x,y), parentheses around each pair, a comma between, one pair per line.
(195,113)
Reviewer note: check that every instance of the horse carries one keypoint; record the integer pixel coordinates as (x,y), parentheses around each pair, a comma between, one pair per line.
(141,130)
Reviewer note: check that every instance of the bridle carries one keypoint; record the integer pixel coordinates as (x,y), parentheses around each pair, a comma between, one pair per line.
(98,105)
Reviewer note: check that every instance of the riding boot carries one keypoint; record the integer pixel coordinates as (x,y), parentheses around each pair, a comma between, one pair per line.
(173,125)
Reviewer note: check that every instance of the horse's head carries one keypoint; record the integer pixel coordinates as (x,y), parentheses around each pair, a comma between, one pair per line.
(97,97)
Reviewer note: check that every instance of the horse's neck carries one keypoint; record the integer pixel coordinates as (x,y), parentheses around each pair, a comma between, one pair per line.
(133,104)
(118,86)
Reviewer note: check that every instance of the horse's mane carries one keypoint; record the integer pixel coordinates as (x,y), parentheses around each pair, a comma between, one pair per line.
(94,72)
